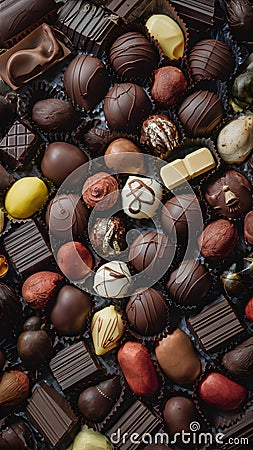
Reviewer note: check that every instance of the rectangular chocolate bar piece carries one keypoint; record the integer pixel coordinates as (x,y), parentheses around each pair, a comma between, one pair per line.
(72,365)
(53,417)
(198,14)
(6,179)
(27,248)
(240,435)
(88,26)
(128,10)
(19,146)
(136,421)
(215,326)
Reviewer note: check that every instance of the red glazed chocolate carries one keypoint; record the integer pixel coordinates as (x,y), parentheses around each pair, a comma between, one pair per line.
(40,288)
(74,260)
(249,310)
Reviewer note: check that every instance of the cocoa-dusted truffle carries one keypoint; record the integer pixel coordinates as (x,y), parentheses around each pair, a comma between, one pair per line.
(218,239)
(240,19)
(86,81)
(10,309)
(74,260)
(189,283)
(211,59)
(200,113)
(147,311)
(248,228)
(108,236)
(122,155)
(239,361)
(40,288)
(229,194)
(126,105)
(53,115)
(100,191)
(160,135)
(133,56)
(168,85)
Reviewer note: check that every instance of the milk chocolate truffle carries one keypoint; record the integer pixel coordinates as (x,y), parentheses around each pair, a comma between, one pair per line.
(239,361)
(70,310)
(112,280)
(160,135)
(95,402)
(67,217)
(248,228)
(200,113)
(240,19)
(178,358)
(133,56)
(147,311)
(10,309)
(106,328)
(189,283)
(235,140)
(181,213)
(74,260)
(123,156)
(60,160)
(169,83)
(40,288)
(168,34)
(138,369)
(100,191)
(229,194)
(126,106)
(108,236)
(53,115)
(7,110)
(86,81)
(141,197)
(218,240)
(211,59)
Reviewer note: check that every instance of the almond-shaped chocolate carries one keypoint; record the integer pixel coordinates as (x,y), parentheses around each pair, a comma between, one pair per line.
(239,361)
(40,288)
(178,358)
(14,388)
(106,328)
(220,392)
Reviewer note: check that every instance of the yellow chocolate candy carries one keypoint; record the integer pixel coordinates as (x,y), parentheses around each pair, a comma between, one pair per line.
(168,34)
(106,328)
(25,197)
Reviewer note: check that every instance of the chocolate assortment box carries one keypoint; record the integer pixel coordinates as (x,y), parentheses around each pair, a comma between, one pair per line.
(126,225)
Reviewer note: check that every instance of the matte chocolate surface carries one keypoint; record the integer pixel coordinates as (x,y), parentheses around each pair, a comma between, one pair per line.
(54,115)
(240,430)
(239,361)
(240,18)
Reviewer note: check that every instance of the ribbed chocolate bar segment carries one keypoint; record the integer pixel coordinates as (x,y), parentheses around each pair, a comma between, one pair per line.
(52,415)
(27,248)
(215,326)
(197,13)
(72,365)
(240,435)
(88,26)
(128,10)
(137,419)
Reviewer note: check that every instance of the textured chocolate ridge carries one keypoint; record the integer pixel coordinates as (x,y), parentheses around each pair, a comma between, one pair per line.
(129,11)
(27,248)
(52,415)
(215,326)
(201,13)
(242,429)
(72,365)
(137,419)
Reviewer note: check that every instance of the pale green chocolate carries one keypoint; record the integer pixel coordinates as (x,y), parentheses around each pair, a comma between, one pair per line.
(88,439)
(25,197)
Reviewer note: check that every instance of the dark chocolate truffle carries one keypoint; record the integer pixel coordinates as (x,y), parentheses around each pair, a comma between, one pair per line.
(189,283)
(218,239)
(67,216)
(75,260)
(60,160)
(160,135)
(168,85)
(147,311)
(95,402)
(100,191)
(53,115)
(229,194)
(200,113)
(70,310)
(133,56)
(239,361)
(211,59)
(123,156)
(240,19)
(108,236)
(248,228)
(86,81)
(8,106)
(10,310)
(151,252)
(34,348)
(182,213)
(126,106)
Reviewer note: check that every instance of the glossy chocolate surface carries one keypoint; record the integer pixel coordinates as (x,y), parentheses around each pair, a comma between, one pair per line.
(181,213)
(108,236)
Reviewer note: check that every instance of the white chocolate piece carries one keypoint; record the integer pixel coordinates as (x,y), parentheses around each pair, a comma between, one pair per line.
(235,140)
(141,197)
(174,174)
(168,34)
(106,329)
(112,280)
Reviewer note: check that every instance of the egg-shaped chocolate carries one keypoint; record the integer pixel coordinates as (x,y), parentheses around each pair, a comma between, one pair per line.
(54,115)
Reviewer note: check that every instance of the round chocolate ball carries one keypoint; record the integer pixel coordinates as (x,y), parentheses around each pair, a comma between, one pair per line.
(126,106)
(189,283)
(74,260)
(168,85)
(218,240)
(60,160)
(211,59)
(160,135)
(181,213)
(34,348)
(122,155)
(86,81)
(147,311)
(200,113)
(108,236)
(230,194)
(32,324)
(100,191)
(53,115)
(133,56)
(240,19)
(67,216)
(10,310)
